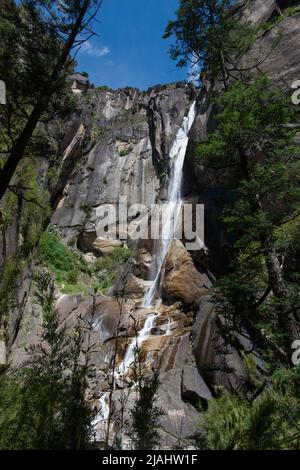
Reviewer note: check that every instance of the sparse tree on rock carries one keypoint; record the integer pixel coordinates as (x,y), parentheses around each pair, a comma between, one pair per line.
(35,71)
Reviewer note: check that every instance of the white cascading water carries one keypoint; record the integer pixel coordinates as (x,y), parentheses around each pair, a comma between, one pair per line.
(101,418)
(169,326)
(136,343)
(104,408)
(173,206)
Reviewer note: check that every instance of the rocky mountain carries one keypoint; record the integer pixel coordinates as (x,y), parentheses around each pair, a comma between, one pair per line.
(118,143)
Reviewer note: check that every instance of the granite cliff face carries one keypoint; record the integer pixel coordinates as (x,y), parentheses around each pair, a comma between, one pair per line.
(118,144)
(129,138)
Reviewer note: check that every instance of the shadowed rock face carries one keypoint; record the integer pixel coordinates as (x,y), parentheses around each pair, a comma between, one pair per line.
(193,386)
(219,362)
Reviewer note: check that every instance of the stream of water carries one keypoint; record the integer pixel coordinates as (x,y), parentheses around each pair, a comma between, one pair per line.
(137,342)
(173,205)
(173,209)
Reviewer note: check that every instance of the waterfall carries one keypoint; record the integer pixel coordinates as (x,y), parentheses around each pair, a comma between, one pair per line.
(101,419)
(104,408)
(168,327)
(173,206)
(136,342)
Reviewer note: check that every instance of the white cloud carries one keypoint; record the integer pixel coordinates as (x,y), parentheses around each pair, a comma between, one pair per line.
(89,48)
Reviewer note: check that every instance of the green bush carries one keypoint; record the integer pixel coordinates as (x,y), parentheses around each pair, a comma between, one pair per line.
(288,12)
(126,151)
(72,273)
(104,88)
(105,269)
(42,406)
(9,276)
(55,255)
(271,422)
(66,265)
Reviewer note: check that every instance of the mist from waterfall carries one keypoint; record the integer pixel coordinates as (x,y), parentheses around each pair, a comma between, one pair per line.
(173,205)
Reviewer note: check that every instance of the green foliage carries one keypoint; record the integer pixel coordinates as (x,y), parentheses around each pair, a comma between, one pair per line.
(251,115)
(68,266)
(271,422)
(105,269)
(209,35)
(255,146)
(58,257)
(42,404)
(225,422)
(254,143)
(125,151)
(36,44)
(73,274)
(11,270)
(29,207)
(104,88)
(288,12)
(97,133)
(145,414)
(33,206)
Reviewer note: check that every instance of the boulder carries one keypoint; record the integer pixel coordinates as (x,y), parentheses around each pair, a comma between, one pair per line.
(104,246)
(182,280)
(181,420)
(89,257)
(142,261)
(136,287)
(193,387)
(85,240)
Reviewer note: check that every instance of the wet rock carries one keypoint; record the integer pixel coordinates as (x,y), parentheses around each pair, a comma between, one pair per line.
(136,287)
(173,353)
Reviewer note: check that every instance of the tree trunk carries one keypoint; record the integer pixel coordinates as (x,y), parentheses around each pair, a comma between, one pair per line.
(277,284)
(286,316)
(18,149)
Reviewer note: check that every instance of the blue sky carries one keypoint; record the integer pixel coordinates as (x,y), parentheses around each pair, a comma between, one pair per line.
(129,50)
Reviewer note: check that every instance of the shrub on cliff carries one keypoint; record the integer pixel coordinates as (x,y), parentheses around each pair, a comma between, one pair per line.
(42,404)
